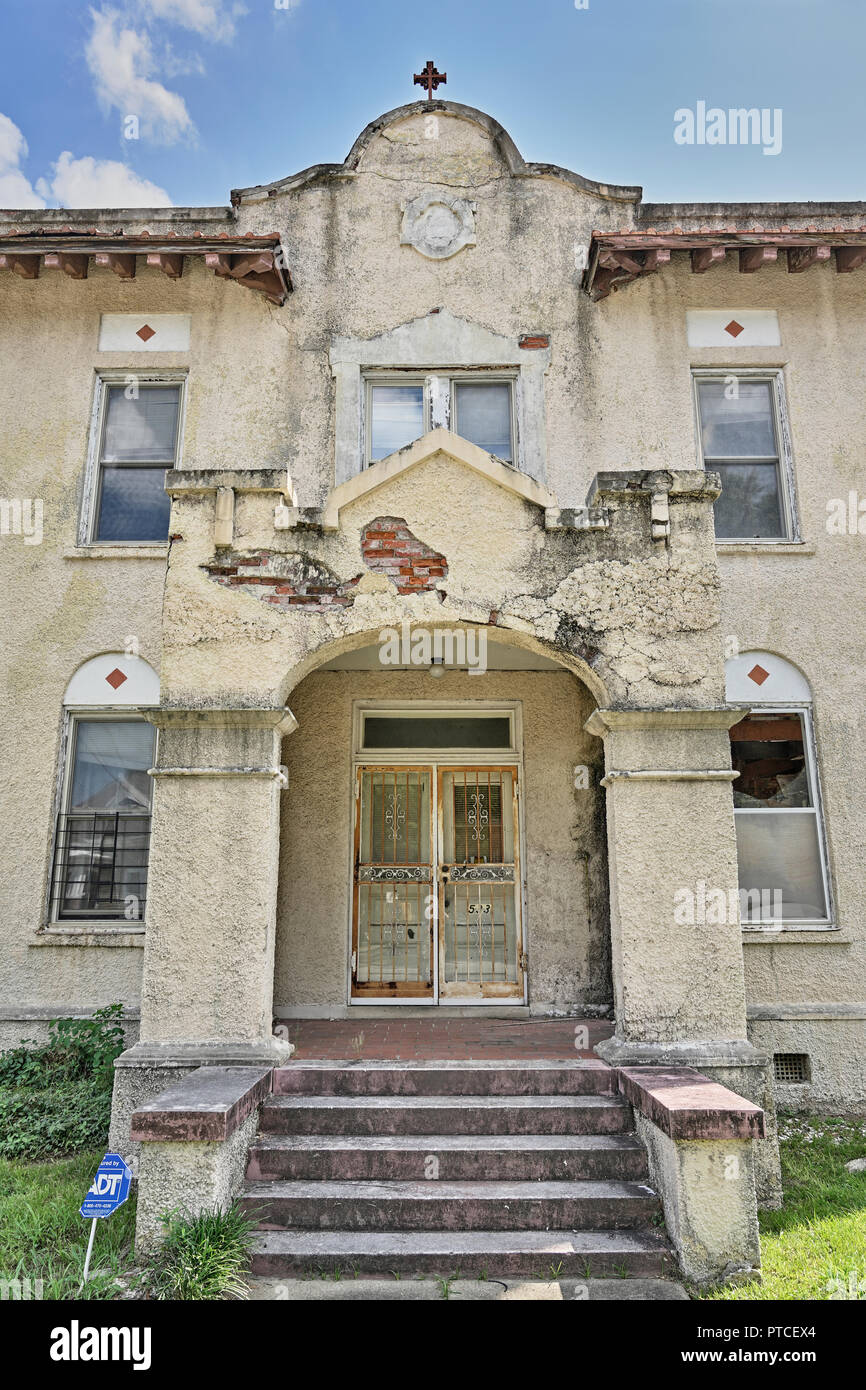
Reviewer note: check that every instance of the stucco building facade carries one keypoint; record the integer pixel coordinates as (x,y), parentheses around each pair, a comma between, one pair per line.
(501,647)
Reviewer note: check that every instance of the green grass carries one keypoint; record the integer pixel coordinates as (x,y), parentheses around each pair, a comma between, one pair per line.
(43,1237)
(814,1247)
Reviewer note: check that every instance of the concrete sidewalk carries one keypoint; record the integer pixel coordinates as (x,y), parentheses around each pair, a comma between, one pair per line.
(464,1290)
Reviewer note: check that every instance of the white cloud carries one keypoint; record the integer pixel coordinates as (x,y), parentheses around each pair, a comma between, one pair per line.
(211,18)
(16,190)
(100,183)
(13,146)
(122,63)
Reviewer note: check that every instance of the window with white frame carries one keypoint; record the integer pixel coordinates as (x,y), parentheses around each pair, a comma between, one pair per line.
(402,407)
(781,850)
(742,436)
(102,833)
(137,431)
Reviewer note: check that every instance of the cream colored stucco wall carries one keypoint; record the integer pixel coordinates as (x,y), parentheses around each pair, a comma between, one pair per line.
(261,394)
(567,929)
(61,608)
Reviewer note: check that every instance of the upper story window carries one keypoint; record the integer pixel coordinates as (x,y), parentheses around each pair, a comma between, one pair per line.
(742,437)
(482,413)
(137,437)
(400,410)
(397,416)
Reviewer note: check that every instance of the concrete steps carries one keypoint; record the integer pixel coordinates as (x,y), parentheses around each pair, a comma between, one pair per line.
(491,1168)
(582,1076)
(469,1114)
(458,1158)
(530,1254)
(449,1206)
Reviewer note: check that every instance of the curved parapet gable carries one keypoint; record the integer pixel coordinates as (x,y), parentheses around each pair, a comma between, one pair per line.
(511,157)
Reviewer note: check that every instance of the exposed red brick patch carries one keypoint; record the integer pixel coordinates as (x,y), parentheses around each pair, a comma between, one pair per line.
(288,581)
(389,548)
(534,340)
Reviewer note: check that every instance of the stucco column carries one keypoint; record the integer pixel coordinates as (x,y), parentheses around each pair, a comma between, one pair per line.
(670,826)
(210,917)
(212,881)
(676,944)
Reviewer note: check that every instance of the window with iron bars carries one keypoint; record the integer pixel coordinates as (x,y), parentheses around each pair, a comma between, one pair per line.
(102,838)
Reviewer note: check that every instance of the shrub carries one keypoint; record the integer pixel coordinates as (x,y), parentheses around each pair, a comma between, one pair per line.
(203,1257)
(77,1047)
(59,1120)
(56,1098)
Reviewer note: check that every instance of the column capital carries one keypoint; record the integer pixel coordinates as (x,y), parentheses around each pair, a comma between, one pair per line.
(604,721)
(278,718)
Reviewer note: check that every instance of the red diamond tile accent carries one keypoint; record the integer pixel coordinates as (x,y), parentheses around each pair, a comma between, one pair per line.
(115,678)
(734,328)
(758,675)
(145,333)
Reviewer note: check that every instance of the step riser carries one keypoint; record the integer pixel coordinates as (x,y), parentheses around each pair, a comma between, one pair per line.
(463,1121)
(471,1214)
(514,1265)
(350,1165)
(584,1081)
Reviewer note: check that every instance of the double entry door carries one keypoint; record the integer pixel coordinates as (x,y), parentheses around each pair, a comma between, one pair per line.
(437,884)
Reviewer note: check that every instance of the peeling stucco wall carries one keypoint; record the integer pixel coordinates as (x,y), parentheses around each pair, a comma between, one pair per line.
(640,624)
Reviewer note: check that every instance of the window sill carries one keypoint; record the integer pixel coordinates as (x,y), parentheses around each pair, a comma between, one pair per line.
(764,548)
(56,935)
(157,551)
(793,936)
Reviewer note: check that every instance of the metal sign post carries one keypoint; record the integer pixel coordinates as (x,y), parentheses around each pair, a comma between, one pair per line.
(108,1191)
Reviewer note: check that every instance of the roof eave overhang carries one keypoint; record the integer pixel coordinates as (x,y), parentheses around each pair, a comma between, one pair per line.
(618,258)
(255,262)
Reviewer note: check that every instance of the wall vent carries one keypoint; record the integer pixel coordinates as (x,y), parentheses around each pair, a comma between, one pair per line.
(791,1067)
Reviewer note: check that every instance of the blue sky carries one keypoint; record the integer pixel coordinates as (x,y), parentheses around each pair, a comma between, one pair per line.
(227,94)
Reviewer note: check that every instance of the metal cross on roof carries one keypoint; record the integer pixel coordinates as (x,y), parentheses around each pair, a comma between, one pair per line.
(430,78)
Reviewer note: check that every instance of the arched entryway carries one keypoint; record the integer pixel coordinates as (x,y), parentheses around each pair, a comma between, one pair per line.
(442,839)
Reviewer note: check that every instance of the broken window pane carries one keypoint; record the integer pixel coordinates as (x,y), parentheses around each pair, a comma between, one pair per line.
(779,849)
(768,751)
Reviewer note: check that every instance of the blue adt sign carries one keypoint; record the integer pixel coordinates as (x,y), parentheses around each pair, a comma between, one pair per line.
(110,1187)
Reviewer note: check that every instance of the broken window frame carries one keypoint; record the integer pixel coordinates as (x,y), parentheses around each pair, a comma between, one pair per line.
(783,458)
(438,386)
(92,492)
(804,712)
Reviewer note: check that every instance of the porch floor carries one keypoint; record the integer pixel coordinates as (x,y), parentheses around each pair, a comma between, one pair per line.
(441,1039)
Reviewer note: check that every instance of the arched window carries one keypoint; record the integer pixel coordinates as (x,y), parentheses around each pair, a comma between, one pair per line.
(103,827)
(777,802)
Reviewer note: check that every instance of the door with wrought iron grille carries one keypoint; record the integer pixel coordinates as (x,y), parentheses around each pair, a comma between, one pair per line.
(393,950)
(481,952)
